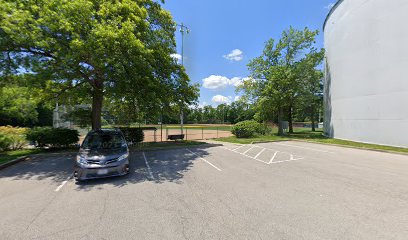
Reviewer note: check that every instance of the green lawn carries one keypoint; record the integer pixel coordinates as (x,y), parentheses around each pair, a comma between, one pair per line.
(305,134)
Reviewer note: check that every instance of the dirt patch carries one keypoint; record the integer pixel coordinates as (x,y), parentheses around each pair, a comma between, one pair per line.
(190,134)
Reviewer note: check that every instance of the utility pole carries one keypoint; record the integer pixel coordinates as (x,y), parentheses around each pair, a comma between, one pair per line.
(183,29)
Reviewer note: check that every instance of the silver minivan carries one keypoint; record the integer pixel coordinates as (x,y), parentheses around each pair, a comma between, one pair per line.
(103,153)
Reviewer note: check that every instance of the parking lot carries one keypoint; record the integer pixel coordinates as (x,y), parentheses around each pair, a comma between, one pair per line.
(283,190)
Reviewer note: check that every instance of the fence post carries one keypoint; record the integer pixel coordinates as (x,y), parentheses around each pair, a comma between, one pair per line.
(186,133)
(167,133)
(217,132)
(154,135)
(202,133)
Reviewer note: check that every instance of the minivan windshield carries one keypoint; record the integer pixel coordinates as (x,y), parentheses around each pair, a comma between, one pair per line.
(103,141)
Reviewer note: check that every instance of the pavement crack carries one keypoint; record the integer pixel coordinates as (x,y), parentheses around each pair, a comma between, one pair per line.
(40,212)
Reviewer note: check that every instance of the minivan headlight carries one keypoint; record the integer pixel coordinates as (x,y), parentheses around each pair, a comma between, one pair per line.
(81,160)
(123,157)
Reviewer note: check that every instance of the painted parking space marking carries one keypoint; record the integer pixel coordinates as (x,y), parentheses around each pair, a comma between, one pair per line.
(148,166)
(265,155)
(257,155)
(248,150)
(63,183)
(205,160)
(273,157)
(237,148)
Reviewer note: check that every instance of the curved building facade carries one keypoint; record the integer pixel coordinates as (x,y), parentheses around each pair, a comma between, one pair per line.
(366,71)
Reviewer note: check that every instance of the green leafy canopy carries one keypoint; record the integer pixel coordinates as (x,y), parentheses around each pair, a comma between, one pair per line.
(117,49)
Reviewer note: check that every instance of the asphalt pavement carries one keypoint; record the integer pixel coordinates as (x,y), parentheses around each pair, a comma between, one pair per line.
(285,190)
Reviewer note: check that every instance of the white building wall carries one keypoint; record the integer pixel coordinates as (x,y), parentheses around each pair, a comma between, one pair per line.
(366,87)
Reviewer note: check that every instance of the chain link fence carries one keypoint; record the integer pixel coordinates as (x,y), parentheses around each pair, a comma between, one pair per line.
(190,133)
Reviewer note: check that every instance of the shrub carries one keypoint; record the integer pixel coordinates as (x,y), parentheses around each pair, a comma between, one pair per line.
(5,142)
(54,137)
(133,135)
(12,138)
(247,129)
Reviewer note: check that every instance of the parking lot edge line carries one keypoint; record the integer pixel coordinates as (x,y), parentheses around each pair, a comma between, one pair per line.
(148,166)
(204,160)
(63,183)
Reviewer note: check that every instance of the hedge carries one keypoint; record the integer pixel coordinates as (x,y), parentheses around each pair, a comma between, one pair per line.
(54,137)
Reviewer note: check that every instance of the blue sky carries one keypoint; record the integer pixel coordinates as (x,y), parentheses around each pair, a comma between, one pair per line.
(226,34)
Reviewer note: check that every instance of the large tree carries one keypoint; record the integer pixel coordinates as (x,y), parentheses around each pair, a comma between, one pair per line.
(118,49)
(277,76)
(21,103)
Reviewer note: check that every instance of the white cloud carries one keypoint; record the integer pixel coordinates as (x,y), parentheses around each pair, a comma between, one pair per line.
(219,82)
(236,81)
(219,99)
(215,82)
(176,56)
(234,55)
(330,6)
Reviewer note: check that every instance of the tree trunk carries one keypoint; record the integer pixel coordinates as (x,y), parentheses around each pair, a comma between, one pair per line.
(290,119)
(280,122)
(97,100)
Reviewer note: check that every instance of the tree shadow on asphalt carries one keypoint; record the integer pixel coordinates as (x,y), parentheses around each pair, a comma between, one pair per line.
(165,166)
(52,166)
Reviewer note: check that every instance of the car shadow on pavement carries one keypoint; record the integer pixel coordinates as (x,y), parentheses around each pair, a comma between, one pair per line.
(165,166)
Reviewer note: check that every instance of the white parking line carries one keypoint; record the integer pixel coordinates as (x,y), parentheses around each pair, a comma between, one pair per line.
(257,155)
(247,151)
(63,183)
(273,157)
(271,161)
(148,166)
(286,161)
(272,149)
(236,148)
(243,154)
(293,159)
(204,160)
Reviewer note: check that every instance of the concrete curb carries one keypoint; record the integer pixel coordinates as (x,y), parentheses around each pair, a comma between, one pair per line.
(12,162)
